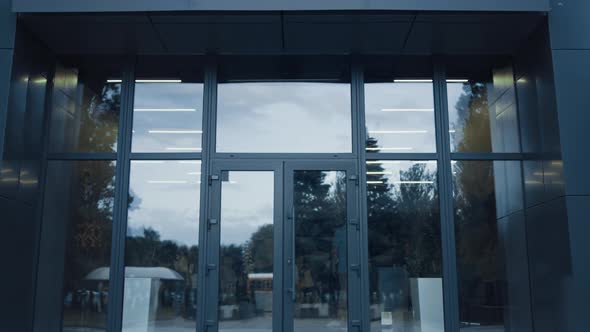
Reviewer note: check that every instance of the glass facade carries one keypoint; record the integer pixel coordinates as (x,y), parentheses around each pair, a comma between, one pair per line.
(284,193)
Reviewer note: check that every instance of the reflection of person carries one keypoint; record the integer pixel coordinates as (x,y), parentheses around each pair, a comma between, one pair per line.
(306,283)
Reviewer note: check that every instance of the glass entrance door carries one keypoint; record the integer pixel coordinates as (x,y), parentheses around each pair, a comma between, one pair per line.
(282,247)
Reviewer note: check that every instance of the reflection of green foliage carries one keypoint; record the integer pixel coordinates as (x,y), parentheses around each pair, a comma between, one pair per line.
(475,218)
(404,224)
(150,250)
(99,118)
(92,200)
(473,119)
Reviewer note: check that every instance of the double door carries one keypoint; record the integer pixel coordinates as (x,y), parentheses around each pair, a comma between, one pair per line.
(282,247)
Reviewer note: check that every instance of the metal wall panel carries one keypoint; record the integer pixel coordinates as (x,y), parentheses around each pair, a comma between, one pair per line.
(179,5)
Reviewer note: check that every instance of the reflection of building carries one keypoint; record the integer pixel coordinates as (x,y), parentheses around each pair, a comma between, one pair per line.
(456,127)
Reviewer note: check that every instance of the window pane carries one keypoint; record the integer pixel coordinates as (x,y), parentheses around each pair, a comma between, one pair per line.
(246,252)
(162,246)
(400,116)
(405,264)
(321,259)
(86,103)
(491,249)
(483,111)
(284,117)
(167,117)
(75,247)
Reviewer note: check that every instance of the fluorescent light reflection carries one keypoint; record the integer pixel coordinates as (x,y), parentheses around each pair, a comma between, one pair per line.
(158,81)
(398,131)
(457,80)
(390,149)
(372,162)
(401,182)
(117,80)
(413,80)
(183,149)
(194,173)
(165,110)
(175,131)
(407,110)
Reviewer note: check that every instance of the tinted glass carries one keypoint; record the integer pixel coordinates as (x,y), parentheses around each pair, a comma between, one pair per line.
(284,117)
(162,246)
(321,278)
(399,116)
(246,251)
(482,112)
(405,264)
(167,116)
(86,104)
(75,247)
(491,246)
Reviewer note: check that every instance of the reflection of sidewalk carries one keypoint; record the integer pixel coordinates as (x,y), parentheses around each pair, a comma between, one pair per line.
(177,324)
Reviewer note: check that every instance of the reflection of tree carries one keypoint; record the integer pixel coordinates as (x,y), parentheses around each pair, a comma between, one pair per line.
(89,243)
(237,261)
(320,235)
(149,250)
(404,225)
(99,114)
(473,123)
(476,230)
(404,229)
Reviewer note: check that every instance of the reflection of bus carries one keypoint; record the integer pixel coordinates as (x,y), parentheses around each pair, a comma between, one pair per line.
(260,284)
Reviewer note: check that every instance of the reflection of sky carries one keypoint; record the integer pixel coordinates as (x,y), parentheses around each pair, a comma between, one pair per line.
(284,117)
(396,96)
(166,198)
(167,96)
(246,204)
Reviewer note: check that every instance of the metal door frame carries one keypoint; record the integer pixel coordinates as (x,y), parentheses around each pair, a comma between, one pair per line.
(212,237)
(354,295)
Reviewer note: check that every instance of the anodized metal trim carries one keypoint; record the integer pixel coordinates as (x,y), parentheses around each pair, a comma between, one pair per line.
(445,190)
(82,156)
(359,103)
(117,270)
(40,205)
(165,156)
(209,96)
(486,156)
(401,156)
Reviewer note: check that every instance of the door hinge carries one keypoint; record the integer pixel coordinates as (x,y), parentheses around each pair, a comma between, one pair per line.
(355,223)
(354,178)
(356,268)
(211,222)
(210,267)
(213,178)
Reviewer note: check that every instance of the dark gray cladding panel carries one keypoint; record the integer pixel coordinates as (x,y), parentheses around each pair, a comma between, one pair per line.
(39,6)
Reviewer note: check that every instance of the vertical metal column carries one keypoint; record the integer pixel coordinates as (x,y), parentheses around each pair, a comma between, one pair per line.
(445,189)
(209,106)
(117,271)
(358,109)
